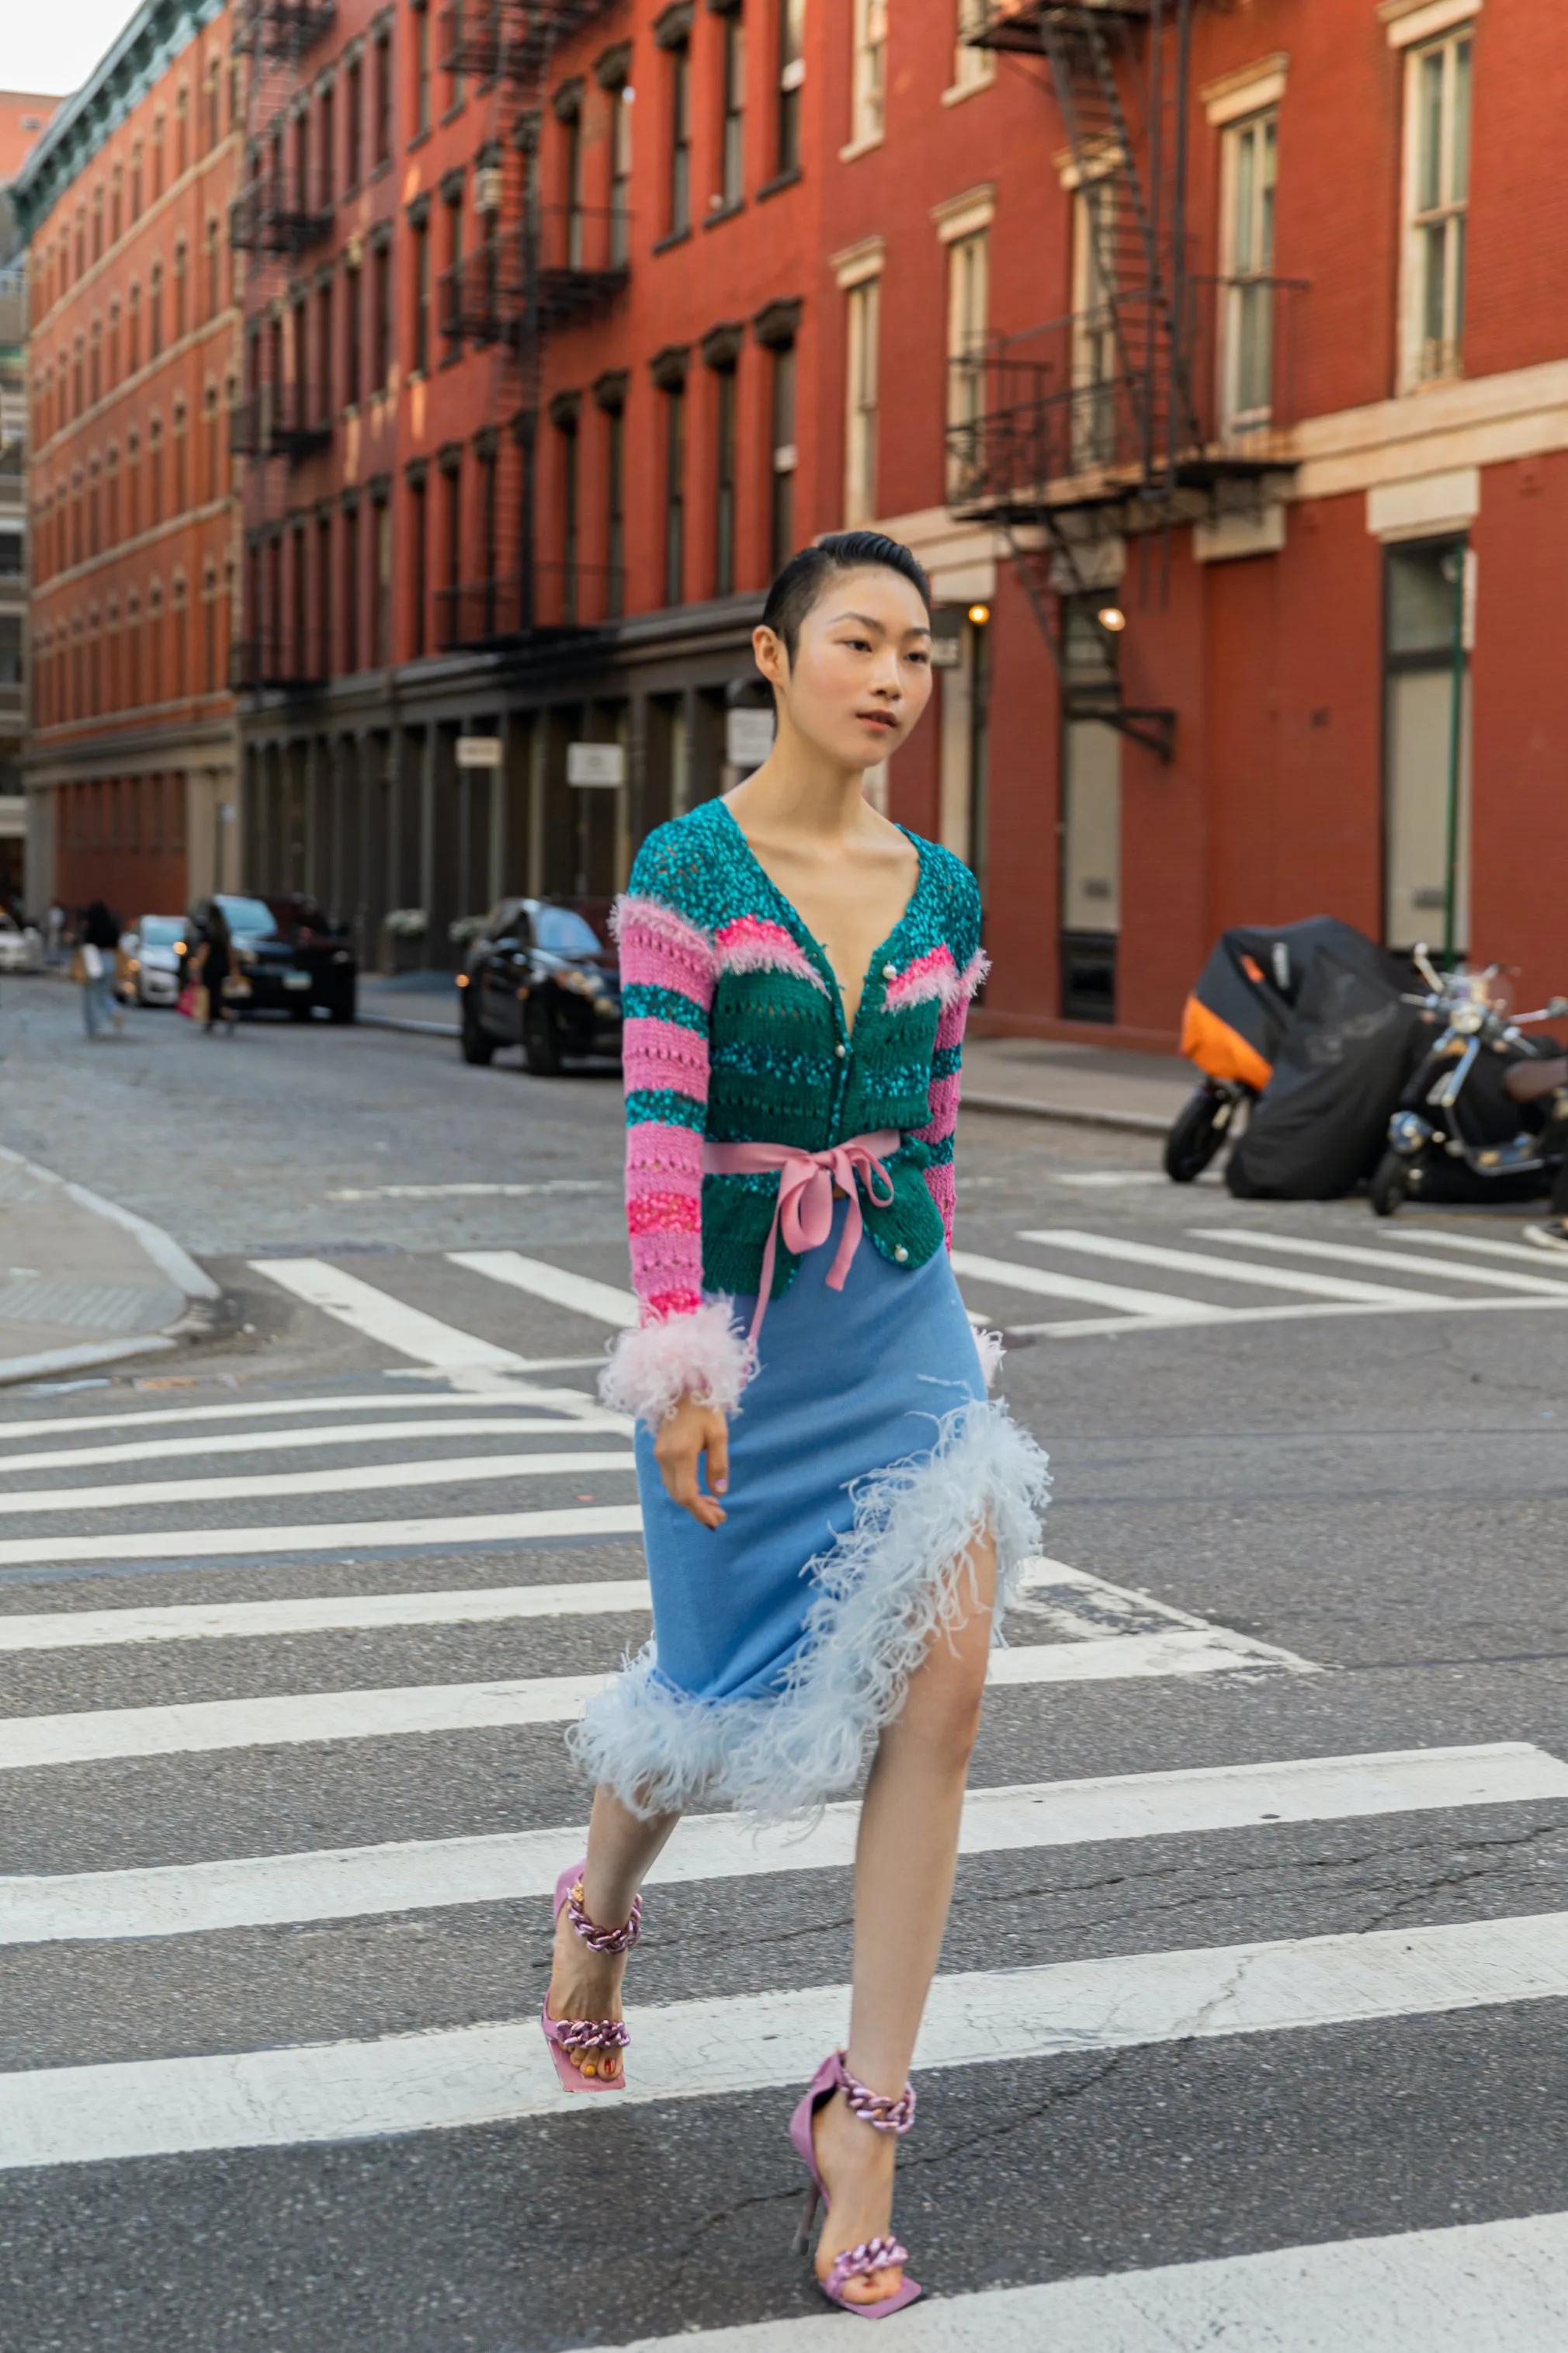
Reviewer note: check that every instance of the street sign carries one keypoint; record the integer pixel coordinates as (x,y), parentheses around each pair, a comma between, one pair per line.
(748,737)
(600,768)
(479,751)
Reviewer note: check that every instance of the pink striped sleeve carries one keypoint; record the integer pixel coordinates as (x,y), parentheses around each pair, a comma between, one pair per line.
(944,1097)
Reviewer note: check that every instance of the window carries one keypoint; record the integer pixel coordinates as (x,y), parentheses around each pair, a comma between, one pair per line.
(327,136)
(453,477)
(380,97)
(614,509)
(156,471)
(419,536)
(214,102)
(157,157)
(783,466)
(209,629)
(453,273)
(674,491)
(181,470)
(724,482)
(180,318)
(732,121)
(620,176)
(421,51)
(182,133)
(571,119)
(136,181)
(133,329)
(1249,166)
(1095,365)
(116,192)
(1437,180)
(155,312)
(381,317)
(303,666)
(864,303)
(568,517)
(214,268)
(95,364)
(112,496)
(98,224)
(454,13)
(351,586)
(212,464)
(421,339)
(1428,588)
(353,339)
(679,194)
(324,371)
(792,76)
(353,126)
(868,98)
(968,273)
(381,621)
(133,483)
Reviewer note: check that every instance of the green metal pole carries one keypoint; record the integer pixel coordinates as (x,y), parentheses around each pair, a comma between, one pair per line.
(1455,748)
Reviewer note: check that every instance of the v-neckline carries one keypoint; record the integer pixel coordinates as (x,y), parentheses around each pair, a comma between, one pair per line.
(806,939)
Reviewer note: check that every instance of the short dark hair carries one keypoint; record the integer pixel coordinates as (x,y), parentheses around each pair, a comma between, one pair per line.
(806,576)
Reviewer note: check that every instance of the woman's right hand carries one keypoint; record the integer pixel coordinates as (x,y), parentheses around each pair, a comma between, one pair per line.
(688,1432)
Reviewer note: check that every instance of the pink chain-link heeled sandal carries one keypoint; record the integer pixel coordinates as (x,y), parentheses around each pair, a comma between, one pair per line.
(569,2036)
(873,2254)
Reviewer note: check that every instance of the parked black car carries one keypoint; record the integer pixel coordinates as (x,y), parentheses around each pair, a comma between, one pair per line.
(541,976)
(289,955)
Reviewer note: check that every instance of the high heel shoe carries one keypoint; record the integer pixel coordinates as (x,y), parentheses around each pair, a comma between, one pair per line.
(874,2255)
(568,2035)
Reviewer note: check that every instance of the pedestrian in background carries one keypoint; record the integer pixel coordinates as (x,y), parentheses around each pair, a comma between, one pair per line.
(54,931)
(215,962)
(94,967)
(797,973)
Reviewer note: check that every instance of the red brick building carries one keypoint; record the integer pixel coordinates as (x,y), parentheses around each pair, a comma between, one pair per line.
(132,357)
(566,319)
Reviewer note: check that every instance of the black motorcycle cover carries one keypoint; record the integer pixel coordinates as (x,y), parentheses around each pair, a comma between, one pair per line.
(1321,1125)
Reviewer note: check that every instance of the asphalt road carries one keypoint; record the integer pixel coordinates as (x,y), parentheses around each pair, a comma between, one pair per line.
(1241,2040)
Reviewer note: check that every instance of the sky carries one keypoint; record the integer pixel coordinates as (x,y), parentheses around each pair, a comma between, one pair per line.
(53,44)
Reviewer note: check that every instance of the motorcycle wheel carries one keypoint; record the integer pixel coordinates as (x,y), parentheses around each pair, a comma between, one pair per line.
(1390,1184)
(1198,1129)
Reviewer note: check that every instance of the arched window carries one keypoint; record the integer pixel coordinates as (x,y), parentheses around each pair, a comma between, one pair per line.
(211,461)
(94,507)
(179,683)
(116,193)
(114,373)
(98,222)
(77,540)
(156,471)
(133,483)
(155,312)
(136,181)
(181,470)
(111,495)
(213,84)
(215,267)
(180,319)
(79,388)
(209,627)
(133,329)
(95,365)
(182,131)
(155,688)
(158,121)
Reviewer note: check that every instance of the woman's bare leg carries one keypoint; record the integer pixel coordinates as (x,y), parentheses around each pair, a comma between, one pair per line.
(582,1983)
(904,1864)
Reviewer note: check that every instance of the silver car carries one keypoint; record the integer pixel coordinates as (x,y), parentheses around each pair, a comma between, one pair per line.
(148,965)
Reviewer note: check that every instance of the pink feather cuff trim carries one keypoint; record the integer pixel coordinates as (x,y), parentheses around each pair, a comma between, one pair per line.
(703,1355)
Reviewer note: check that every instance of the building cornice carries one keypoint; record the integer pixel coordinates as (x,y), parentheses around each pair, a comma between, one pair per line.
(128,68)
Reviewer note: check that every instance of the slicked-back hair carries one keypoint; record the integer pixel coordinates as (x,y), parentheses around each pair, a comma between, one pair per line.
(804,578)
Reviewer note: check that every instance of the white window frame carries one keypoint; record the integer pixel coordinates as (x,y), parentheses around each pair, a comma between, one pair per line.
(972,69)
(868,81)
(1441,226)
(862,321)
(968,314)
(1095,358)
(1246,259)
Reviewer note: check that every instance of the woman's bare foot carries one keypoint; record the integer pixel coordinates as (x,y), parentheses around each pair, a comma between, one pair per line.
(586,1984)
(856,2164)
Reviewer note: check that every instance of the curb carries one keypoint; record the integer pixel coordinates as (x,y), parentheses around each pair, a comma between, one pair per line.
(1135,1123)
(165,1254)
(400,1022)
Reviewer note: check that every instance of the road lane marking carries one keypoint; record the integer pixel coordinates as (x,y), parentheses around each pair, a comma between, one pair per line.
(456,1471)
(557,1284)
(501,2071)
(283,1442)
(376,1315)
(187,1728)
(1160,1306)
(75,1629)
(501,1399)
(412,1876)
(1419,1304)
(1474,2287)
(1525,1252)
(467,1192)
(1353,1254)
(202,1545)
(1219,1270)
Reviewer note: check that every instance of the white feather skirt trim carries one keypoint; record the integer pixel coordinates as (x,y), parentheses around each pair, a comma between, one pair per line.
(899,1574)
(704,1355)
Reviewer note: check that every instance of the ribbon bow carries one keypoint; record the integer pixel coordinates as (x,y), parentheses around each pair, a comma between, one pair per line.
(802,1214)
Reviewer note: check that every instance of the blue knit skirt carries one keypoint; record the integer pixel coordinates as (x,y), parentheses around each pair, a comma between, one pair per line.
(864,1462)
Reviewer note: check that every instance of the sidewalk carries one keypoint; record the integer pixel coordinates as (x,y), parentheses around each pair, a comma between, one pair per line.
(425,1003)
(1085,1086)
(83,1281)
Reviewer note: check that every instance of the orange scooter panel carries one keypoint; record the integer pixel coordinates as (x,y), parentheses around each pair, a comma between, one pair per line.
(1219,1050)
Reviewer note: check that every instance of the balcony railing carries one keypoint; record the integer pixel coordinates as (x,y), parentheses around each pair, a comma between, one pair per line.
(1092,406)
(282,28)
(557,599)
(277,215)
(287,420)
(506,38)
(287,661)
(566,262)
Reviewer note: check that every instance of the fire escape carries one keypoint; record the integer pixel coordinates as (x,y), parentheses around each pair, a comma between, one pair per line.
(1157,402)
(282,417)
(537,266)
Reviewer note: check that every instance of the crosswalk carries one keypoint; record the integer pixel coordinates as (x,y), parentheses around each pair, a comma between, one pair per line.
(287,1615)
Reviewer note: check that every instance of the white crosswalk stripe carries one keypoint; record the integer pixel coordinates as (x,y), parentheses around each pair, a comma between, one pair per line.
(1222,1269)
(748,2043)
(1539,1286)
(558,1284)
(342,1883)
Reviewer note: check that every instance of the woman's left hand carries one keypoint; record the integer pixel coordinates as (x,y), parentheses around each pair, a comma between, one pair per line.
(690,1430)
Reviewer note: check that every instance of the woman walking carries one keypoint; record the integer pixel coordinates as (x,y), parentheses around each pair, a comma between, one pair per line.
(826,1572)
(213,964)
(95,957)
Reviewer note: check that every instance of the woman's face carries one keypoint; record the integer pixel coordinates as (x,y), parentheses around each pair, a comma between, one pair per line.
(861,673)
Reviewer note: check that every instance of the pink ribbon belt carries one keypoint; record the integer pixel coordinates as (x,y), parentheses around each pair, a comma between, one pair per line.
(804,1211)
